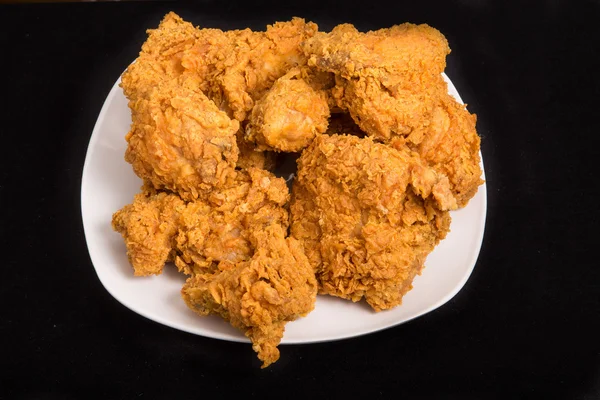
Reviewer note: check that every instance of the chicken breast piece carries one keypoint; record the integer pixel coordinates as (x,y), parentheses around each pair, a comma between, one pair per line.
(367,215)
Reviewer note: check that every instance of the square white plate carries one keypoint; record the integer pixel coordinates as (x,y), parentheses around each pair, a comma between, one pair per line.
(108,183)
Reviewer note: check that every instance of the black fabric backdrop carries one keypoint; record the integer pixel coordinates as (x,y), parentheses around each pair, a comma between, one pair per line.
(526,325)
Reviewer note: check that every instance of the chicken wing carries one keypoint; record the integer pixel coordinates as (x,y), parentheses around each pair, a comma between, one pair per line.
(148,226)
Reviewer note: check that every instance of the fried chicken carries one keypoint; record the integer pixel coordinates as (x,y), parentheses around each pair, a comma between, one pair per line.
(390,82)
(386,154)
(198,235)
(160,57)
(451,146)
(180,141)
(148,226)
(238,67)
(387,79)
(367,216)
(288,116)
(253,203)
(260,295)
(234,248)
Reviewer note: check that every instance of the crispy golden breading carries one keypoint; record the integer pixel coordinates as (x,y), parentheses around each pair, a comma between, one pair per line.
(390,82)
(260,295)
(254,202)
(148,226)
(289,116)
(451,147)
(180,141)
(386,153)
(160,57)
(387,79)
(367,216)
(198,235)
(238,67)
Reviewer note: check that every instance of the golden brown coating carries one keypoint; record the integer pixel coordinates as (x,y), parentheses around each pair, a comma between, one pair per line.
(387,79)
(180,141)
(199,235)
(254,202)
(451,146)
(288,116)
(160,57)
(211,110)
(367,216)
(390,82)
(238,67)
(260,295)
(148,226)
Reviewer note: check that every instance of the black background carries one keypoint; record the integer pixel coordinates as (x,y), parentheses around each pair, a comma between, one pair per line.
(527,323)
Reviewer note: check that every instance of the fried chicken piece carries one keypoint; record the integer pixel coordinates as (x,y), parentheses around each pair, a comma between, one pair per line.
(148,226)
(238,67)
(254,202)
(387,79)
(390,81)
(288,116)
(198,235)
(259,296)
(180,141)
(160,57)
(451,146)
(367,216)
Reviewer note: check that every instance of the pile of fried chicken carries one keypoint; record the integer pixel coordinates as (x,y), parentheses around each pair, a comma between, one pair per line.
(384,153)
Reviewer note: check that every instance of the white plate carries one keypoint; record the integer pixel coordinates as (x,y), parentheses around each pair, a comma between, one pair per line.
(108,183)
